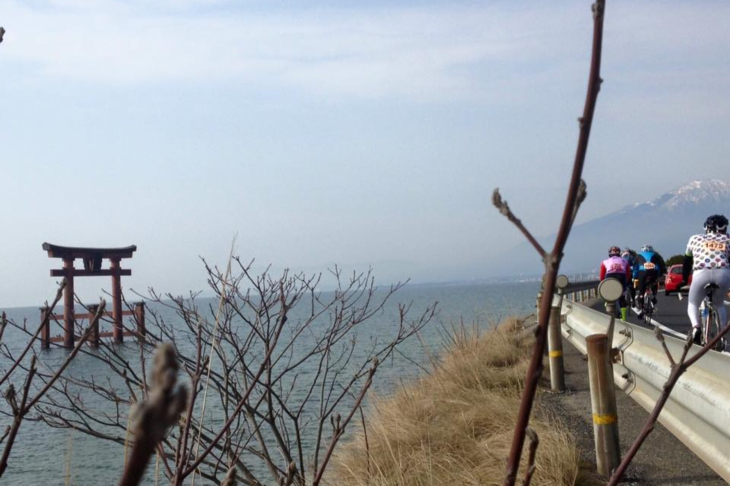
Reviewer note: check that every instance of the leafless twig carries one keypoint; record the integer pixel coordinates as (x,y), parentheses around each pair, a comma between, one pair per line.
(505,211)
(230,479)
(288,362)
(576,195)
(660,337)
(26,404)
(46,317)
(534,442)
(152,417)
(3,325)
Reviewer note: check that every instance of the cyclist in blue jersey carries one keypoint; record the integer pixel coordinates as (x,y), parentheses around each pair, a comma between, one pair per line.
(648,268)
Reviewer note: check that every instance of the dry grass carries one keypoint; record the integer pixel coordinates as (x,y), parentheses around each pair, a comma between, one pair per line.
(454,427)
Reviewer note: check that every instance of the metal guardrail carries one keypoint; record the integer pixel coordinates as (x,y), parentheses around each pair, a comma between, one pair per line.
(698,410)
(581,291)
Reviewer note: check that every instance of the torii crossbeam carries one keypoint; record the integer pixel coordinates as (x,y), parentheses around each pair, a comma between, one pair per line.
(92,258)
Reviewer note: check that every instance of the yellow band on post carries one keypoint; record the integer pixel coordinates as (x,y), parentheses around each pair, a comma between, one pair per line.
(555,354)
(604,419)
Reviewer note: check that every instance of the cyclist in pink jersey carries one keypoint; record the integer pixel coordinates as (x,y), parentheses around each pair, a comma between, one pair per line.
(708,259)
(616,267)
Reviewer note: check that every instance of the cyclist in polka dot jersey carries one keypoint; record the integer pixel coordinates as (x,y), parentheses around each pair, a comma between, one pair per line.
(708,257)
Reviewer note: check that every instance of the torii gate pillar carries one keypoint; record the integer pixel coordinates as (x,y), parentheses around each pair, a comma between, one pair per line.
(117,300)
(92,258)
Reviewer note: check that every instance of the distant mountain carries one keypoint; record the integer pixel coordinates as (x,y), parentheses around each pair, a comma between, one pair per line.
(665,222)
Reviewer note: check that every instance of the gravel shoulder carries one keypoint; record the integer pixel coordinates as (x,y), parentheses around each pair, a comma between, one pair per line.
(663,460)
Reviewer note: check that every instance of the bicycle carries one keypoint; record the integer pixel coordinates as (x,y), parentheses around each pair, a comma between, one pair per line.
(649,306)
(647,302)
(709,318)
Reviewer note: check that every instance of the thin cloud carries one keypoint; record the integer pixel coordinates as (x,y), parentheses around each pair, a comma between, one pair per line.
(369,53)
(472,52)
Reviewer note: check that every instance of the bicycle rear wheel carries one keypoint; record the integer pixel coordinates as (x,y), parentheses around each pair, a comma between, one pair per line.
(648,307)
(714,319)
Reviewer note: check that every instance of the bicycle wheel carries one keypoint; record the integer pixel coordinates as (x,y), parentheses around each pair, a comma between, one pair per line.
(714,319)
(648,307)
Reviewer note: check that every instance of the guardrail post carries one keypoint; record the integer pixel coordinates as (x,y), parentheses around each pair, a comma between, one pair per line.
(603,404)
(555,351)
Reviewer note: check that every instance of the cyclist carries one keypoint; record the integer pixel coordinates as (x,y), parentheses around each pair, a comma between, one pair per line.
(629,256)
(616,267)
(708,255)
(648,268)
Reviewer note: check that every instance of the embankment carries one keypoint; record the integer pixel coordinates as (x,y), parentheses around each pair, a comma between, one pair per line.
(455,425)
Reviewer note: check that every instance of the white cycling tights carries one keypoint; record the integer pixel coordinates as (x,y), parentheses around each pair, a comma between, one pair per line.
(700,278)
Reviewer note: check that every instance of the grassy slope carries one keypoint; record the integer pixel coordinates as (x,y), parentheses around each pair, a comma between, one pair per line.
(454,426)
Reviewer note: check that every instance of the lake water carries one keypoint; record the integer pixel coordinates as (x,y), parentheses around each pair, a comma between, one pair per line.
(43,455)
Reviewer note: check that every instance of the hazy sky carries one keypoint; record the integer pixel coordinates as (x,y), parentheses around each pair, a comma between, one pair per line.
(357,133)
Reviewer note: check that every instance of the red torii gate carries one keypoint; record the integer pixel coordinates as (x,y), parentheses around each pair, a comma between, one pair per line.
(92,258)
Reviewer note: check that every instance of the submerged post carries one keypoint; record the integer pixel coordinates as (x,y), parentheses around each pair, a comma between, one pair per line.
(139,317)
(603,404)
(94,338)
(46,331)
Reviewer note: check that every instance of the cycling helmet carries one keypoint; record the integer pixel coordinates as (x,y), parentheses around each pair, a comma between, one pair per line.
(717,223)
(647,248)
(614,251)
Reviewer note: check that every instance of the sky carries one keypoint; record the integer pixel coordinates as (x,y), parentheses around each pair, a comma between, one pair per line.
(362,134)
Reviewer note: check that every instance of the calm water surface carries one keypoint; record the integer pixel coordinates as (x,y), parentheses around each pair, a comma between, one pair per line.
(43,455)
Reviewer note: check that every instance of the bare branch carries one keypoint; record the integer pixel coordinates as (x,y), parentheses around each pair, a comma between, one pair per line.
(18,414)
(152,417)
(576,194)
(660,337)
(47,316)
(579,198)
(339,426)
(534,442)
(505,211)
(3,325)
(230,479)
(279,375)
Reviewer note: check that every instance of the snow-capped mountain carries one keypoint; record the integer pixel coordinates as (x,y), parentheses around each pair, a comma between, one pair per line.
(690,195)
(665,222)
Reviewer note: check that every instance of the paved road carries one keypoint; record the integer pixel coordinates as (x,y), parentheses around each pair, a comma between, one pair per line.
(670,312)
(662,461)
